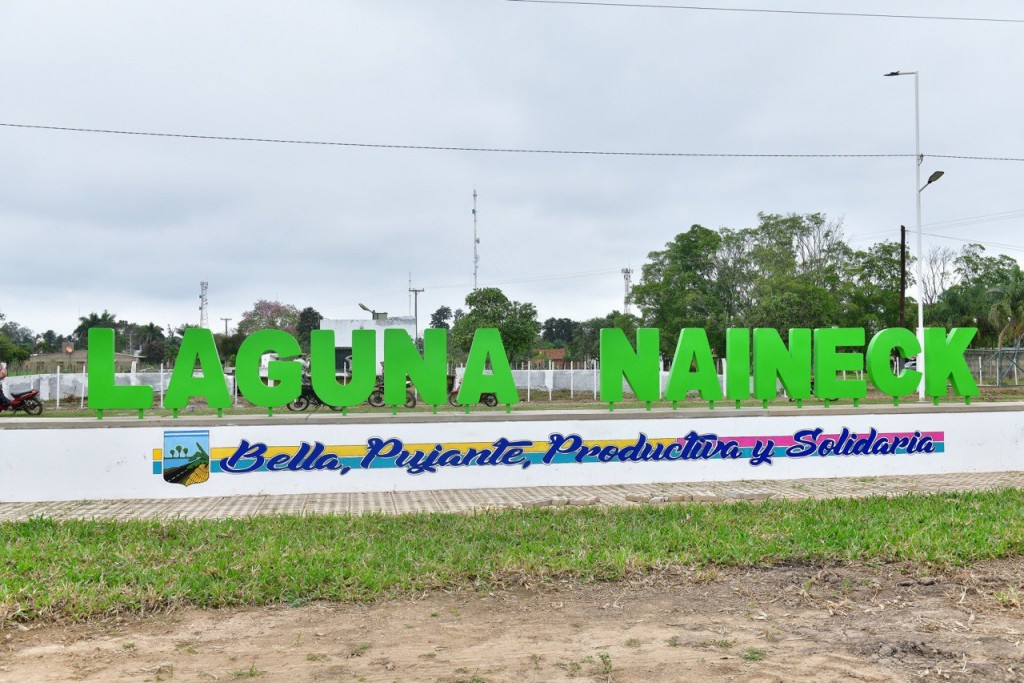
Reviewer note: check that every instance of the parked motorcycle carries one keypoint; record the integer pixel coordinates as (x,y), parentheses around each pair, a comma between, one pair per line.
(309,398)
(26,401)
(489,400)
(377,395)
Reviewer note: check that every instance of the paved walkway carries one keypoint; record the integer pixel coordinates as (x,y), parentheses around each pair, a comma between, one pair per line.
(470,500)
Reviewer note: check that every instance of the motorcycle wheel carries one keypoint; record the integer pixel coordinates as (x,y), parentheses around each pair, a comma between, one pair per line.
(301,403)
(453,398)
(32,406)
(410,399)
(335,408)
(376,399)
(489,400)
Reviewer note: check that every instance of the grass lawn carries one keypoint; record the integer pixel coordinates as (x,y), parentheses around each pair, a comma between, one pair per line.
(77,570)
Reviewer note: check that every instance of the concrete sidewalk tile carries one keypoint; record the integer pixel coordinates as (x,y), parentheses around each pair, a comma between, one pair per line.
(372,502)
(413,501)
(468,500)
(283,505)
(327,504)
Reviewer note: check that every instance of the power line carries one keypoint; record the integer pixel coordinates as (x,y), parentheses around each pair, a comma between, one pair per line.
(977,220)
(952,223)
(469,285)
(504,150)
(973,158)
(998,245)
(537,278)
(758,10)
(441,148)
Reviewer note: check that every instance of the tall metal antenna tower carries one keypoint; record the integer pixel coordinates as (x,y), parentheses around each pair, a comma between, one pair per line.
(627,274)
(415,293)
(204,317)
(476,241)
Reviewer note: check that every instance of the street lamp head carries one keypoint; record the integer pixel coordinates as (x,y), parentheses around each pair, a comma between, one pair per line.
(365,308)
(893,73)
(935,176)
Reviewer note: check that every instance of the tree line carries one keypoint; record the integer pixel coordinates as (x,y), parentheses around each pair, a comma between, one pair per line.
(789,271)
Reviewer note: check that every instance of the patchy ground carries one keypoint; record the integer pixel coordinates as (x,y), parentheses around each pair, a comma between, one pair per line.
(779,624)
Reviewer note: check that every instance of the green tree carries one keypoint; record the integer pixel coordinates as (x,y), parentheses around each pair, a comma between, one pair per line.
(228,346)
(679,288)
(799,262)
(11,352)
(154,351)
(968,302)
(872,293)
(49,342)
(439,318)
(309,320)
(19,335)
(269,315)
(489,307)
(1007,313)
(586,342)
(87,322)
(558,332)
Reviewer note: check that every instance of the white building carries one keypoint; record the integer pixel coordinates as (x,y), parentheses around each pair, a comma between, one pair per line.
(343,330)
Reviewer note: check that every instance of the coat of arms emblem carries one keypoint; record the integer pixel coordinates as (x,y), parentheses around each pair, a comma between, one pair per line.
(186,456)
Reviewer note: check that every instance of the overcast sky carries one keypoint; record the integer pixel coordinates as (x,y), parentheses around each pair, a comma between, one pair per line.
(133,224)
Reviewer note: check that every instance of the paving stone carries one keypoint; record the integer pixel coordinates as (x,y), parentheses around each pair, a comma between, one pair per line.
(473,500)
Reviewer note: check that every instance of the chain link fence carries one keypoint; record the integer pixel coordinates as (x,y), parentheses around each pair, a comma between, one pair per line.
(996,367)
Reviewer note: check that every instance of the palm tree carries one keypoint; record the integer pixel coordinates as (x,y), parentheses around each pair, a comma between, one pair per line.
(152,332)
(85,323)
(1007,316)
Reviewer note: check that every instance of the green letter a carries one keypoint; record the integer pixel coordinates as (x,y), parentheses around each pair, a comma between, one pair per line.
(487,346)
(197,346)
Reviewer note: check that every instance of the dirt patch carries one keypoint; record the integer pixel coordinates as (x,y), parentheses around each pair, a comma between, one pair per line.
(798,623)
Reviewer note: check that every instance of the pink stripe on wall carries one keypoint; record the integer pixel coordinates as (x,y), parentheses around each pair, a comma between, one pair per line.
(749,441)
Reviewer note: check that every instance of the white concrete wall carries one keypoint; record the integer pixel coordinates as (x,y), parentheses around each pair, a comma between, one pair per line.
(108,462)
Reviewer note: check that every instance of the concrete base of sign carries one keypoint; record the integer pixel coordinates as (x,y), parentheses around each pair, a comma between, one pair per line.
(84,459)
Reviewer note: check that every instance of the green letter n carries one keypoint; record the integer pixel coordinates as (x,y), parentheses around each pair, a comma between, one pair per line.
(640,367)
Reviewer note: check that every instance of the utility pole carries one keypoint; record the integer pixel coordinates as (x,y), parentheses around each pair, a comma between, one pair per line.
(476,241)
(627,274)
(903,274)
(416,311)
(204,319)
(226,321)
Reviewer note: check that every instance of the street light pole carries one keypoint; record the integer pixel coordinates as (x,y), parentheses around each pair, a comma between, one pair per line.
(918,160)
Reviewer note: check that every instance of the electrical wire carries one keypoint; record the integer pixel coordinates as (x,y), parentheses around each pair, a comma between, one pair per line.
(998,245)
(375,145)
(758,10)
(469,285)
(538,278)
(952,223)
(505,150)
(973,158)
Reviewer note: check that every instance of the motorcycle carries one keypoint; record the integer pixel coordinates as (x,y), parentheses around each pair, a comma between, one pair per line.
(309,398)
(488,399)
(377,395)
(26,401)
